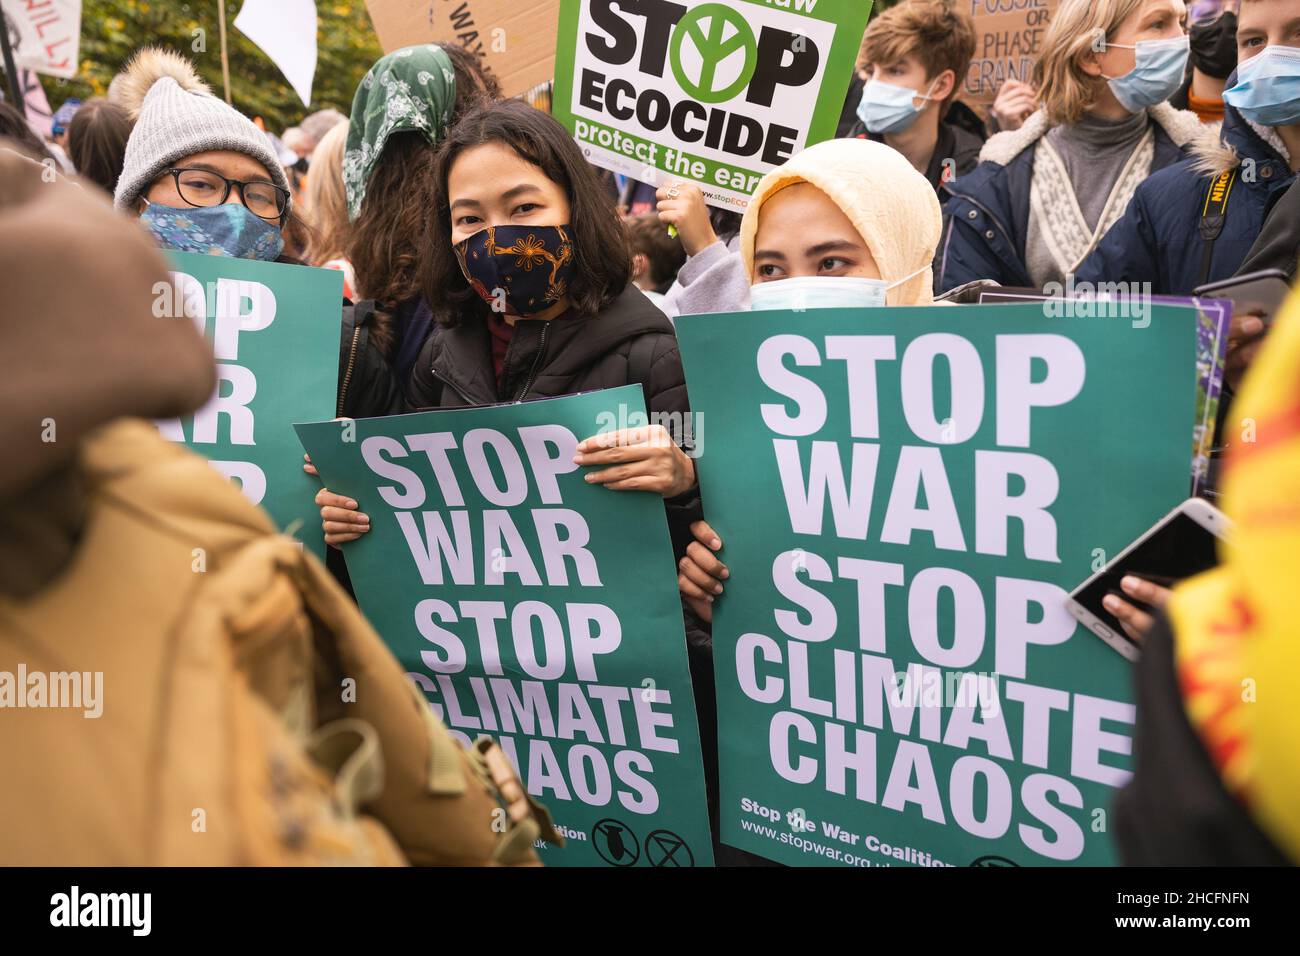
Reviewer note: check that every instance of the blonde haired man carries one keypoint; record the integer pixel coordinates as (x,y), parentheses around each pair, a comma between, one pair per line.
(914,58)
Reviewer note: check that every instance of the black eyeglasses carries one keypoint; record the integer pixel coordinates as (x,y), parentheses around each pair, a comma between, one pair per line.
(202,187)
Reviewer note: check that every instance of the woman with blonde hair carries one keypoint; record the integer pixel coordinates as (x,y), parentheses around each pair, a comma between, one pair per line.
(1044,195)
(327,208)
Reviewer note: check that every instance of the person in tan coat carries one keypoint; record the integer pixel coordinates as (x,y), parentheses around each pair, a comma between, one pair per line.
(179,684)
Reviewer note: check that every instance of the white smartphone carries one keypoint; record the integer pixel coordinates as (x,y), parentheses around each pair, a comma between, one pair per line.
(1181,544)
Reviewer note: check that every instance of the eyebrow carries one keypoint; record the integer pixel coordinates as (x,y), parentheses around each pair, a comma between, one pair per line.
(208,168)
(833,245)
(768,254)
(518,191)
(1254,32)
(1156,13)
(511,193)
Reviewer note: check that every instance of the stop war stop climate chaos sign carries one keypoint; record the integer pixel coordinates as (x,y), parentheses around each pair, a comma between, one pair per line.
(713,93)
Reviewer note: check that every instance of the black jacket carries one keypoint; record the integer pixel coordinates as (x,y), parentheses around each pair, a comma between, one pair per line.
(1278,243)
(563,356)
(1160,241)
(367,386)
(961,137)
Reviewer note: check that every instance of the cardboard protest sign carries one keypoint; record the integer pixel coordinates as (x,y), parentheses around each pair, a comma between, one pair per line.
(517,40)
(714,93)
(1008,37)
(535,608)
(274,330)
(45,34)
(905,498)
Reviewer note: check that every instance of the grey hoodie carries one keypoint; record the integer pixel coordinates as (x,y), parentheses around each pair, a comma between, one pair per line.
(713,280)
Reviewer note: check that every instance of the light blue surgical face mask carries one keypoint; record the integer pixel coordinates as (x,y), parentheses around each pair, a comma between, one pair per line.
(225,230)
(1159,67)
(822,292)
(886,108)
(1267,90)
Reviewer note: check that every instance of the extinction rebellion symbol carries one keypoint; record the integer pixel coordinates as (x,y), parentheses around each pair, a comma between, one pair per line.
(714,44)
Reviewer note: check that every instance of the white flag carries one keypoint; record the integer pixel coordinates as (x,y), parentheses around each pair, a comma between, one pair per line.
(45,34)
(286,32)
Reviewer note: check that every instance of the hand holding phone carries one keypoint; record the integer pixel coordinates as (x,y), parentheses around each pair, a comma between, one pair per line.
(1120,602)
(1245,336)
(1135,607)
(1257,293)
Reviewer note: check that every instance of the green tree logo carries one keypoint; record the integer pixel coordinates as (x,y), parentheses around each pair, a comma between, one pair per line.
(713,49)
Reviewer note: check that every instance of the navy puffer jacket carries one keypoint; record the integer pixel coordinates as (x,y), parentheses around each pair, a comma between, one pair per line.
(986,217)
(1159,240)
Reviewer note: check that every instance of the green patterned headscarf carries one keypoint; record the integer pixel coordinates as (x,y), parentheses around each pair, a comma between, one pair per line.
(411,89)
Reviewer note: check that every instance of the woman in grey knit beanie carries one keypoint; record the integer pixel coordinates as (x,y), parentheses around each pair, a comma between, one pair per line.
(198,173)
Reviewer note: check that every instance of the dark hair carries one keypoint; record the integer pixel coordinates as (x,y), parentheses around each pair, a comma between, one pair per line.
(648,236)
(21,136)
(97,139)
(602,263)
(386,238)
(475,80)
(725,223)
(298,234)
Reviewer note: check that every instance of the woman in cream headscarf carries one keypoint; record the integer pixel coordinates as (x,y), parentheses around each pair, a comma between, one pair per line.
(845,209)
(847,223)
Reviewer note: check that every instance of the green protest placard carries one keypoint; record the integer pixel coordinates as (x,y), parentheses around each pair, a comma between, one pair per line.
(715,93)
(905,497)
(534,608)
(274,330)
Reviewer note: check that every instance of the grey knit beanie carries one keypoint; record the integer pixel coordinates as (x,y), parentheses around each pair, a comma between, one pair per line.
(176,115)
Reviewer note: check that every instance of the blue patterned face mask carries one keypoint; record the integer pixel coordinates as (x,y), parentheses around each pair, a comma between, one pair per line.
(225,230)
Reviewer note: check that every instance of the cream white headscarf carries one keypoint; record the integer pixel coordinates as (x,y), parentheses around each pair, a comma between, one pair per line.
(893,207)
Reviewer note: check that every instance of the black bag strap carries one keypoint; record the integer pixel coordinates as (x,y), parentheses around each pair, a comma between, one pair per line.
(1214,212)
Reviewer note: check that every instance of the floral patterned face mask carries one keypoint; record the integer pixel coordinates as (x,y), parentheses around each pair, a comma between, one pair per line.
(518,270)
(225,230)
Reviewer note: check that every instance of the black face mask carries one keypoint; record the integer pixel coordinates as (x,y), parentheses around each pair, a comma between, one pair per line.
(1214,45)
(518,270)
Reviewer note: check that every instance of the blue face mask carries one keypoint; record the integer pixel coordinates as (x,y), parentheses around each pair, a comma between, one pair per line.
(1159,67)
(225,230)
(886,108)
(822,292)
(1267,91)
